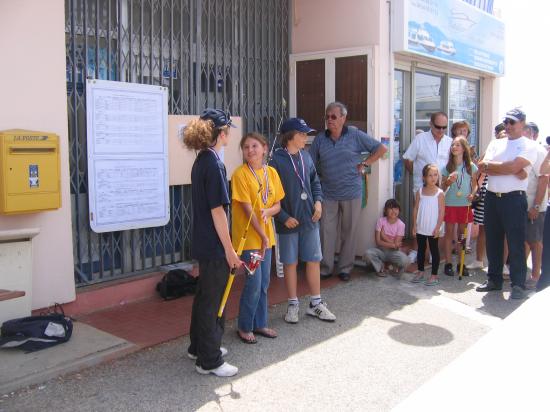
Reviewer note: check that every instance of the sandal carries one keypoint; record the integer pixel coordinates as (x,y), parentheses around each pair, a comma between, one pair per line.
(266,333)
(433,282)
(418,277)
(247,337)
(381,274)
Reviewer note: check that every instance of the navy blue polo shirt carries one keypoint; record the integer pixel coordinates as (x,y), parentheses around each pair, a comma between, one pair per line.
(336,162)
(209,189)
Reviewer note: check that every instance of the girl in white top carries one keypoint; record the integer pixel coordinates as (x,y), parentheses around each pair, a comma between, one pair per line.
(429,209)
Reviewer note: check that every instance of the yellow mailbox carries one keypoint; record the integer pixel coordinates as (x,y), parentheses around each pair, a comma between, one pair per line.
(29,171)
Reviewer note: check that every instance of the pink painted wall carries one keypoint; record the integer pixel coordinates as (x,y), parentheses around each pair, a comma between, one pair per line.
(33,96)
(327,24)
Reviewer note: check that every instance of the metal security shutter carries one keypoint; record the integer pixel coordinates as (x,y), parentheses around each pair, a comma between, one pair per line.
(231,54)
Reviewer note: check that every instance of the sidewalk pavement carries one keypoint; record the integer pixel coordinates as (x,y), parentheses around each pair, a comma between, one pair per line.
(386,328)
(115,332)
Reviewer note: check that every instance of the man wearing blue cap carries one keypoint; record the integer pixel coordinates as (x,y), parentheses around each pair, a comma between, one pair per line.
(297,223)
(337,152)
(210,240)
(507,162)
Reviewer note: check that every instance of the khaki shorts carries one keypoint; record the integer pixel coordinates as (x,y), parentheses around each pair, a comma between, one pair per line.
(534,229)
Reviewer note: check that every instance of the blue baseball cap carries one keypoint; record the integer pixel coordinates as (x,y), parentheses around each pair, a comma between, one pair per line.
(218,117)
(295,123)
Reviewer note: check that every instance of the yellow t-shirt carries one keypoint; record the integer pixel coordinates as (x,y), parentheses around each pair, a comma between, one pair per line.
(244,189)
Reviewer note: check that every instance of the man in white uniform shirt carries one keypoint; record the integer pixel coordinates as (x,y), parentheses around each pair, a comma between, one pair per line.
(507,162)
(537,199)
(428,147)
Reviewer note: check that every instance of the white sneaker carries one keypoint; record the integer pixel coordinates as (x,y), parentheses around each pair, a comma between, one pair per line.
(194,357)
(224,370)
(412,255)
(476,264)
(505,270)
(321,311)
(292,314)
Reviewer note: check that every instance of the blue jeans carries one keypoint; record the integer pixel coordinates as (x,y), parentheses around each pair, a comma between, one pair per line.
(253,305)
(544,280)
(506,215)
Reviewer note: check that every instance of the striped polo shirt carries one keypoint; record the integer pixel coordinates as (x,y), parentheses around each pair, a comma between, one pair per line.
(336,161)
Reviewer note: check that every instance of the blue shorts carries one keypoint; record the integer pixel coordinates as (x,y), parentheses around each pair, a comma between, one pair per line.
(305,244)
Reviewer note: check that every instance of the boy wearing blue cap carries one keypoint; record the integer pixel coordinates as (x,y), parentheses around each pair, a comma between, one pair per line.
(211,242)
(297,223)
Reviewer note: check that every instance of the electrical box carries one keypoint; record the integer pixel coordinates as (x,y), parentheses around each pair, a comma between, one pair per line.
(29,172)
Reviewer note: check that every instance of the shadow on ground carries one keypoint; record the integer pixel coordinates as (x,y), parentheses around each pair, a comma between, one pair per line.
(161,377)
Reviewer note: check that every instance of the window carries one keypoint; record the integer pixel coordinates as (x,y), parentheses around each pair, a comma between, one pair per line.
(463,105)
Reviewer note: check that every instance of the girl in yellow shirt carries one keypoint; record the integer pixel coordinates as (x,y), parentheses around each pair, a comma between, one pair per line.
(254,179)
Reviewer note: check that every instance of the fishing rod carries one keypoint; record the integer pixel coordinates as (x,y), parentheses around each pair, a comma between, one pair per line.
(242,242)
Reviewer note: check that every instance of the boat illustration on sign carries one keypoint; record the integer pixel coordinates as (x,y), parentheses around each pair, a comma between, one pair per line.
(447,47)
(425,40)
(412,36)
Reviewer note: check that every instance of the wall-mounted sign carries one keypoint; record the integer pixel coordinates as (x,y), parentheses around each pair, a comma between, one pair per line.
(450,30)
(127,131)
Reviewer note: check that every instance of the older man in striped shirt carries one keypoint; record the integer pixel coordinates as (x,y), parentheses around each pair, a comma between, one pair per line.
(337,152)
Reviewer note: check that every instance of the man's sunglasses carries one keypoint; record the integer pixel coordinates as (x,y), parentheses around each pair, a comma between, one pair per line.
(331,117)
(511,122)
(439,127)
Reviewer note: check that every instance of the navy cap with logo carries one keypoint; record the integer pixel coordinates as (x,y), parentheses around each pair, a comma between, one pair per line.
(295,123)
(218,117)
(517,115)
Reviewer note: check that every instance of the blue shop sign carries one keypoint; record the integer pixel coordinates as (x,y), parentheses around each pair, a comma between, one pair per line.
(452,31)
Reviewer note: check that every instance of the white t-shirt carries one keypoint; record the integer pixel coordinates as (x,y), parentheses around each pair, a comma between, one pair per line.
(424,150)
(533,180)
(505,150)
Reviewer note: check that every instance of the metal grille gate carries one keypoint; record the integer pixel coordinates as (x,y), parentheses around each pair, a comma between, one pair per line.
(231,54)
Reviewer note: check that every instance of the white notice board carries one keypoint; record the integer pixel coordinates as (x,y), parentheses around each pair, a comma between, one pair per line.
(127,135)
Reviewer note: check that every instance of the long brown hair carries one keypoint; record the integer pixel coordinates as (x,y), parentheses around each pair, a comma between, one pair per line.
(467,159)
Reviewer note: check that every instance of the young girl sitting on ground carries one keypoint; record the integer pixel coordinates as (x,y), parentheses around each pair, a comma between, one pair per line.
(460,189)
(389,235)
(429,208)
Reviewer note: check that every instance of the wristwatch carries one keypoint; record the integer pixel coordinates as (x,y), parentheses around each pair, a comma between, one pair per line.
(537,207)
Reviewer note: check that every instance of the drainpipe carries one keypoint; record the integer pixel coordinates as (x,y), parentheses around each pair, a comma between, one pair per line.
(390,193)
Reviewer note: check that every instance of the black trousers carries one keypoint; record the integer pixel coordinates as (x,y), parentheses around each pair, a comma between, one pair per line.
(506,215)
(544,280)
(434,249)
(206,329)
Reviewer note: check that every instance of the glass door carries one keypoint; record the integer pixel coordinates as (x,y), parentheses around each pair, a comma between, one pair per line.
(428,93)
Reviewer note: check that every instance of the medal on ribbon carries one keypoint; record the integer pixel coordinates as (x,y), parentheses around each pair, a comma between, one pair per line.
(303,195)
(266,192)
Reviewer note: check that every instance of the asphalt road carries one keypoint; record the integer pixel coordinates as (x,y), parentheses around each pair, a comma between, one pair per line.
(389,338)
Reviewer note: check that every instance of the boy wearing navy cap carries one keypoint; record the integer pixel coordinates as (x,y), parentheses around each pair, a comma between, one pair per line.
(211,242)
(297,223)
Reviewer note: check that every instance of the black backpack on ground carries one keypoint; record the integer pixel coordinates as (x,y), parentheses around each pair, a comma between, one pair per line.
(34,333)
(176,283)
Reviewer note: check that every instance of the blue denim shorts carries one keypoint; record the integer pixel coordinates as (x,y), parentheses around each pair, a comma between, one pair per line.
(304,244)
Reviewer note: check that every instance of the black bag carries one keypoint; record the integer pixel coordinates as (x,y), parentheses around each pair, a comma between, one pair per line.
(176,283)
(35,333)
